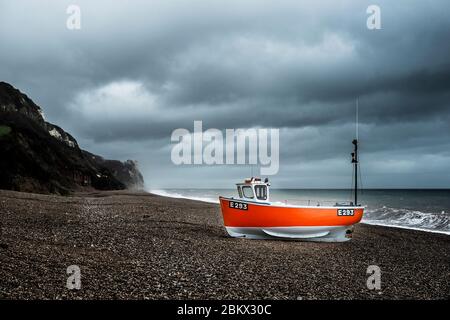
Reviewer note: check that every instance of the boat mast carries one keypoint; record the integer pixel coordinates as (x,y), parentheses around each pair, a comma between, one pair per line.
(355,159)
(355,163)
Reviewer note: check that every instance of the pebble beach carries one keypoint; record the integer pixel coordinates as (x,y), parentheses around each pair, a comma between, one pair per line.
(136,245)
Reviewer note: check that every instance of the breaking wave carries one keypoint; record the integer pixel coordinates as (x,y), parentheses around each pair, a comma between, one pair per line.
(173,194)
(409,219)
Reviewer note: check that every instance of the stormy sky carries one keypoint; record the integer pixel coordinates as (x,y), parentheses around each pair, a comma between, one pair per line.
(138,70)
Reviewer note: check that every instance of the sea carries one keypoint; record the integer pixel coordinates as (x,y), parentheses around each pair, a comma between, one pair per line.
(426,210)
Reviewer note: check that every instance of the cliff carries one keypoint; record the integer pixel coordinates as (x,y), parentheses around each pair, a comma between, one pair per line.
(37,156)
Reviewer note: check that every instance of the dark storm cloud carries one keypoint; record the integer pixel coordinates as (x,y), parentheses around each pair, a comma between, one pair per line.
(136,71)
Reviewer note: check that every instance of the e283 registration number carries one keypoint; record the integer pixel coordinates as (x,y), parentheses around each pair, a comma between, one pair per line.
(238,205)
(346,212)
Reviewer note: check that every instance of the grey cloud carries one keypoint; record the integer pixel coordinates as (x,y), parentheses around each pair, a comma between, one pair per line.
(294,65)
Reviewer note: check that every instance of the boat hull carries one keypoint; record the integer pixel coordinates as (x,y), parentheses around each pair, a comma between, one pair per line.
(245,219)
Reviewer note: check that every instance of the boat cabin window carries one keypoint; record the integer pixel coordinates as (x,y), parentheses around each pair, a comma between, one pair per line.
(240,192)
(261,192)
(248,192)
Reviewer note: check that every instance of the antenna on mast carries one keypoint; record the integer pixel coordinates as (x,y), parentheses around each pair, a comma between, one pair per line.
(357,118)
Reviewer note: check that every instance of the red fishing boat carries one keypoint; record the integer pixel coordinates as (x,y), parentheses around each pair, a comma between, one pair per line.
(252,215)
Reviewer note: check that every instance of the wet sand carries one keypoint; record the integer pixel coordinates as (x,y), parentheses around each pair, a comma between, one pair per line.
(142,246)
